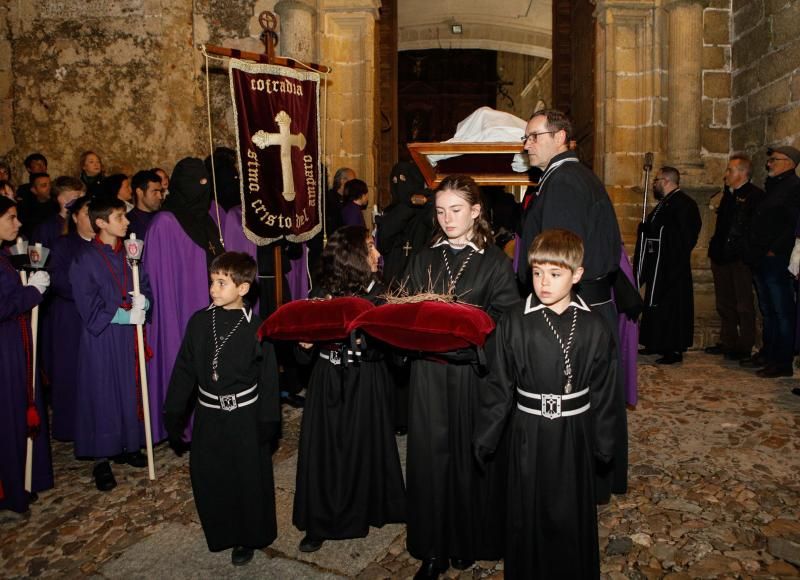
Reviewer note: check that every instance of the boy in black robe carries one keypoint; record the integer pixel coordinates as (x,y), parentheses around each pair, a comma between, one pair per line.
(552,370)
(237,413)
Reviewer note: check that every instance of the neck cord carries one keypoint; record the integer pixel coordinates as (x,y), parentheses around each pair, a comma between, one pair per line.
(564,349)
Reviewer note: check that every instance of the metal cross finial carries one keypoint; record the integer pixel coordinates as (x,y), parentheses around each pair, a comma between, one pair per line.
(269,33)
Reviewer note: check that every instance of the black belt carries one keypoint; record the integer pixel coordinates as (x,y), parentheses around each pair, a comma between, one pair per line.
(597,291)
(229,402)
(553,406)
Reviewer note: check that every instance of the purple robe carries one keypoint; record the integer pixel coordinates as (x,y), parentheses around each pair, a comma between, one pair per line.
(62,331)
(236,241)
(352,215)
(140,221)
(47,232)
(16,300)
(223,215)
(628,340)
(178,274)
(108,396)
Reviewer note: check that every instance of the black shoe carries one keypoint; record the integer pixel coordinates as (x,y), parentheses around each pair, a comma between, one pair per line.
(33,497)
(135,459)
(431,568)
(293,400)
(401,430)
(104,477)
(755,361)
(646,351)
(460,564)
(241,555)
(716,349)
(736,356)
(773,372)
(670,358)
(309,544)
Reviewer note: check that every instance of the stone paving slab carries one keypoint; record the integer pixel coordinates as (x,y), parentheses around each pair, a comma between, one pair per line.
(179,552)
(714,492)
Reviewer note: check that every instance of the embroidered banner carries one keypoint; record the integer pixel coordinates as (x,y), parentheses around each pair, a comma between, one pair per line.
(277,132)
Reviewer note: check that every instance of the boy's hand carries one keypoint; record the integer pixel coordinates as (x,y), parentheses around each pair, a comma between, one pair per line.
(137,315)
(306,345)
(138,301)
(39,280)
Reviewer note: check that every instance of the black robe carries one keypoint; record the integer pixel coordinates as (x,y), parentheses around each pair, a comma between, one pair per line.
(454,510)
(551,527)
(231,461)
(348,467)
(664,267)
(571,197)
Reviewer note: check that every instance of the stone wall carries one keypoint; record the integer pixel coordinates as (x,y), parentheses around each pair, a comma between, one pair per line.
(766,77)
(664,86)
(118,77)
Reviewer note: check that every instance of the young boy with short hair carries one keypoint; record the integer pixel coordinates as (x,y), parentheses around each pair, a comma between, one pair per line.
(234,378)
(552,370)
(108,399)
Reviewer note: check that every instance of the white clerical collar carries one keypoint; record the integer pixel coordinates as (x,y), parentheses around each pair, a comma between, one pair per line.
(576,301)
(248,312)
(443,241)
(369,288)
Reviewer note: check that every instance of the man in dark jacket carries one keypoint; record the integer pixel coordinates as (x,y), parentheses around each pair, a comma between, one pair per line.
(733,279)
(771,242)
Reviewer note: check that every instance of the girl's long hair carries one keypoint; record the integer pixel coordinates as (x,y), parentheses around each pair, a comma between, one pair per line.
(345,267)
(466,188)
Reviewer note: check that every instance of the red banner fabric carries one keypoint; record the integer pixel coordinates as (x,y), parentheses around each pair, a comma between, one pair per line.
(277,134)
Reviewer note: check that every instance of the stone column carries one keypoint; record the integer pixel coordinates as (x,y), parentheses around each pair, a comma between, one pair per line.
(348,46)
(685,84)
(298,31)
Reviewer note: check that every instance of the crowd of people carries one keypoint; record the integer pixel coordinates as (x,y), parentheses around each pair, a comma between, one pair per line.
(552,390)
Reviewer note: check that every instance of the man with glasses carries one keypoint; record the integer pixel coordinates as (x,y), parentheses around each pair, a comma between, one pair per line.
(664,266)
(772,236)
(571,197)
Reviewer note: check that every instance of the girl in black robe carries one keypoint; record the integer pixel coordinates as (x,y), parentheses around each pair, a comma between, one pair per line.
(348,469)
(455,509)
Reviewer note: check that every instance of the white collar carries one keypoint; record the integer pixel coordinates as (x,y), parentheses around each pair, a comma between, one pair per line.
(369,288)
(442,241)
(248,312)
(529,306)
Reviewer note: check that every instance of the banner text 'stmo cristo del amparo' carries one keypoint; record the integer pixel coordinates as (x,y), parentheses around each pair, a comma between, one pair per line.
(277,132)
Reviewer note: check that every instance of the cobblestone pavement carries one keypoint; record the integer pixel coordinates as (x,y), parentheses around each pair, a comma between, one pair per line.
(714,493)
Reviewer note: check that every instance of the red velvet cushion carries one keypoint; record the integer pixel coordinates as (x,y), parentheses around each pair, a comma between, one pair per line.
(314,320)
(427,326)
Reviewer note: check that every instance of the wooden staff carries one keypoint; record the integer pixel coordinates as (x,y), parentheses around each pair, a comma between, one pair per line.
(133,248)
(34,324)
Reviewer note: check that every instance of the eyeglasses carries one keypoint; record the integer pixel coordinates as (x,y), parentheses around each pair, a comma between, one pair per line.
(535,136)
(776,159)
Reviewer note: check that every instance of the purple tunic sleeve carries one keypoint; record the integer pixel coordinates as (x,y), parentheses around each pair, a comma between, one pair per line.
(95,311)
(17,299)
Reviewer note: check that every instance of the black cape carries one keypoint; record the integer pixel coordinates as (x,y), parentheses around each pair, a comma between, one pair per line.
(454,509)
(348,468)
(663,261)
(231,461)
(551,519)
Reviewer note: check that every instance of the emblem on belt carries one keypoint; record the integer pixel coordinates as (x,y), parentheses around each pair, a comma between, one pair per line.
(228,402)
(336,358)
(551,406)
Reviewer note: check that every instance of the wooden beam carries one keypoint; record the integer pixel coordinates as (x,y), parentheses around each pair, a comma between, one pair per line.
(264,58)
